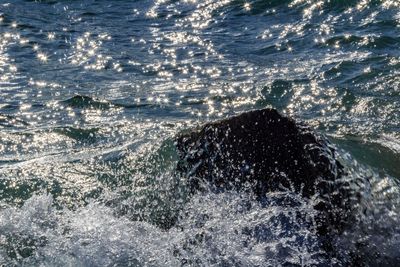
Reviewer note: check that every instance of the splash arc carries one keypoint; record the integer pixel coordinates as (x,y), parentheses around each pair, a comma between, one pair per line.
(264,151)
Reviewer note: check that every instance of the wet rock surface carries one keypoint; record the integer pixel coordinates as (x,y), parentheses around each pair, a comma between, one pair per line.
(263,151)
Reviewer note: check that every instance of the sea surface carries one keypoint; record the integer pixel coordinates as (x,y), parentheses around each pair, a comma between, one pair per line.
(92,94)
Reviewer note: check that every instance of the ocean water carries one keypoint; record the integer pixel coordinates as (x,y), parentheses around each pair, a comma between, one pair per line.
(92,94)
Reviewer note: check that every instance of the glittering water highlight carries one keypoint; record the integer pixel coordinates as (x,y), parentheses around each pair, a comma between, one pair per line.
(92,93)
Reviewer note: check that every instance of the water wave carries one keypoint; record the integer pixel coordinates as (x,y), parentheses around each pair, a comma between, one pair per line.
(90,105)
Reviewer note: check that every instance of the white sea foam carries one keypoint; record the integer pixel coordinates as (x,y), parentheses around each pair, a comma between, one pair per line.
(225,229)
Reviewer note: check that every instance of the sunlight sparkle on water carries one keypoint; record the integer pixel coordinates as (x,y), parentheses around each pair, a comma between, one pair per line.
(51,35)
(86,101)
(42,57)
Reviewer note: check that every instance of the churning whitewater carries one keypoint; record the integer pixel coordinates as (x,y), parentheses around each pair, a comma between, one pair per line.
(95,96)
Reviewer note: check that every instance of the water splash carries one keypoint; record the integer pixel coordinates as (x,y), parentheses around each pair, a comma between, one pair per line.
(74,178)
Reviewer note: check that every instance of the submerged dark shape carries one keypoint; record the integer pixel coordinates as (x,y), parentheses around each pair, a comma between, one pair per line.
(264,151)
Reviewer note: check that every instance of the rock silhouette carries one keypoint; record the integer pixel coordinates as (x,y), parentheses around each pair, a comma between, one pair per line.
(264,151)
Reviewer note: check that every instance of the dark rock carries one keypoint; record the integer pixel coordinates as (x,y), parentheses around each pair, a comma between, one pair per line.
(263,151)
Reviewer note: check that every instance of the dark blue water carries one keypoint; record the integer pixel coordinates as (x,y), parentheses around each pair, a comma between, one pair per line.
(92,93)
